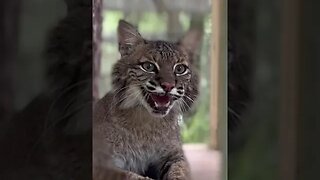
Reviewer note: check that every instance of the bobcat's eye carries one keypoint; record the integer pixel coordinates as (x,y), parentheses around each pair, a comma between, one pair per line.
(148,66)
(180,69)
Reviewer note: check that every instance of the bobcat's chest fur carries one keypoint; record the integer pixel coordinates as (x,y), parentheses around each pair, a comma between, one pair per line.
(137,139)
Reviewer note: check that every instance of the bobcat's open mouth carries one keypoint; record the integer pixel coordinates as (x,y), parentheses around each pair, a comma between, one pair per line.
(160,103)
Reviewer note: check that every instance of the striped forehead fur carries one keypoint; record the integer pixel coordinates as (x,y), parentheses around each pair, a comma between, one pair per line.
(166,51)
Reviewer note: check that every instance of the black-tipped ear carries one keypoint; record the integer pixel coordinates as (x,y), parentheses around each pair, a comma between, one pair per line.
(128,36)
(191,41)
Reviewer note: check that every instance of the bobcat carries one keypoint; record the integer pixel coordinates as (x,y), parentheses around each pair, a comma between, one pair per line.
(135,128)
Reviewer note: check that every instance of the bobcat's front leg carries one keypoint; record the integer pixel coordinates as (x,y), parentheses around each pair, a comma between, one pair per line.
(134,176)
(176,169)
(109,173)
(179,171)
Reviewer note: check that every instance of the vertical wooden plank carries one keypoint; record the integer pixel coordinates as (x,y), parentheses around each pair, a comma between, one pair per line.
(289,89)
(218,99)
(214,79)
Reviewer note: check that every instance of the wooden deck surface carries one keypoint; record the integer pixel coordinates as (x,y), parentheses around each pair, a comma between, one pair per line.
(204,163)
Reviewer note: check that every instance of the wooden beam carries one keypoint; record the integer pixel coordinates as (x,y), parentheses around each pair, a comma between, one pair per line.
(218,99)
(290,89)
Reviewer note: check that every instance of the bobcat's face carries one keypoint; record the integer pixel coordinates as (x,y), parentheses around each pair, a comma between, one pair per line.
(155,74)
(160,76)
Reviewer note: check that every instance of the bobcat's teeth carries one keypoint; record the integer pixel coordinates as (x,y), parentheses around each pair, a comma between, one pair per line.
(156,104)
(167,104)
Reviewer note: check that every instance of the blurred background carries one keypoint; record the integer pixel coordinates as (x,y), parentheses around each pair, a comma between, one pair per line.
(25,34)
(169,20)
(274,54)
(45,89)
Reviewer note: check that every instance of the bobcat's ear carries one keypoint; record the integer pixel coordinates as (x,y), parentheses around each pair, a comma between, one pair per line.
(191,41)
(128,37)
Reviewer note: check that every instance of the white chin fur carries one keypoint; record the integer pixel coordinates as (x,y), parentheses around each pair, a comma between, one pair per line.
(159,115)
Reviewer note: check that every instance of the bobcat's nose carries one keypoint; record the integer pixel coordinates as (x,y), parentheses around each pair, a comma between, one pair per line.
(167,86)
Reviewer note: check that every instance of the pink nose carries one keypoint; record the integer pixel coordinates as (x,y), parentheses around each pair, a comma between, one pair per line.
(167,86)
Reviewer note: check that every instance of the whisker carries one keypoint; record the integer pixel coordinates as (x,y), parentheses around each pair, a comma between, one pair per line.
(189,98)
(185,103)
(233,112)
(118,102)
(120,99)
(181,106)
(136,93)
(123,88)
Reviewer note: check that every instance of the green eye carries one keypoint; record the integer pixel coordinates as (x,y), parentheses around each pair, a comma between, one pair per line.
(149,67)
(180,69)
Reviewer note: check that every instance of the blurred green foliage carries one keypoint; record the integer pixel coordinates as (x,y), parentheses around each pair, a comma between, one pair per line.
(196,128)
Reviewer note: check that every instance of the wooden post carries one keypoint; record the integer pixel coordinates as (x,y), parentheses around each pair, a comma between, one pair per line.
(289,89)
(218,105)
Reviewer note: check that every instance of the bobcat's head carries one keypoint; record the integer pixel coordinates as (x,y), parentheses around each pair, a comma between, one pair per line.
(157,75)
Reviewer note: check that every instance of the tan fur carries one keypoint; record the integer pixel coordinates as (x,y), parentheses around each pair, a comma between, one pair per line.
(130,138)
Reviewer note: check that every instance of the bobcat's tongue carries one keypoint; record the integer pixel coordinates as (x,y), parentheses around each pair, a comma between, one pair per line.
(161,100)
